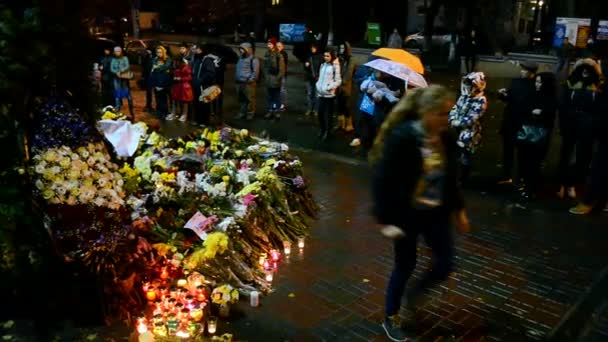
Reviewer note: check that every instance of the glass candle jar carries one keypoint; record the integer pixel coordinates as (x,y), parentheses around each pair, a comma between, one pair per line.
(201,293)
(182,283)
(196,313)
(174,292)
(160,330)
(172,325)
(301,240)
(286,248)
(151,294)
(212,325)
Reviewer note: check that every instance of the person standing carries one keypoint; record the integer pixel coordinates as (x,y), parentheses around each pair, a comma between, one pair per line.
(395,41)
(312,65)
(121,71)
(203,76)
(247,71)
(147,62)
(181,90)
(415,191)
(347,68)
(470,51)
(107,84)
(327,85)
(465,117)
(274,72)
(518,99)
(160,81)
(220,76)
(281,49)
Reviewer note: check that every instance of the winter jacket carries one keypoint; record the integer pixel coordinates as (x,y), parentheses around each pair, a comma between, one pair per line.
(204,71)
(285,59)
(247,68)
(314,65)
(106,71)
(383,97)
(519,101)
(329,80)
(160,76)
(274,69)
(465,116)
(181,90)
(119,65)
(347,68)
(397,176)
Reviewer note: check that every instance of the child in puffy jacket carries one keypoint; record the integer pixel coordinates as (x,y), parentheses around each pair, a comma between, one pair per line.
(466,116)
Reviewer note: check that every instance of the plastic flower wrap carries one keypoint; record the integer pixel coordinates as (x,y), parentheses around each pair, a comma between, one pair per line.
(225,294)
(84,176)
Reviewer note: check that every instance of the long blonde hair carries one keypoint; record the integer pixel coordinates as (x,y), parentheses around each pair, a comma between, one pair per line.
(417,103)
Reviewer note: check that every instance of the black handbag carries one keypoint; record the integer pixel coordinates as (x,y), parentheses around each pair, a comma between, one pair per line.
(531,134)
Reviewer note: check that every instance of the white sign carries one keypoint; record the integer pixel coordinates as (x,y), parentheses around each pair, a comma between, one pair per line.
(602,30)
(572,25)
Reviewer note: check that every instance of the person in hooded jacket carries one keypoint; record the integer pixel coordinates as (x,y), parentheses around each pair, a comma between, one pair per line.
(465,117)
(160,81)
(274,72)
(376,89)
(203,76)
(578,115)
(312,64)
(247,71)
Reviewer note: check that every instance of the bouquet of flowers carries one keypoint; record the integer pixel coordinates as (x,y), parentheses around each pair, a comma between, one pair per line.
(224,294)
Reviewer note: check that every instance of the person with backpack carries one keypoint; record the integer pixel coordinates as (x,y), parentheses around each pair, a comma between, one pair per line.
(274,72)
(247,76)
(220,67)
(327,86)
(204,72)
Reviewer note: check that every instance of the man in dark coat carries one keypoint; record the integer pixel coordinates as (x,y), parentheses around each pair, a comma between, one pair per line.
(519,100)
(204,75)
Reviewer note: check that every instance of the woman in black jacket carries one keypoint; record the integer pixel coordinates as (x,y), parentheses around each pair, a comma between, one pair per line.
(533,137)
(416,192)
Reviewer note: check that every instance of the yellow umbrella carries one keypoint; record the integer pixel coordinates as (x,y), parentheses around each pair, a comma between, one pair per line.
(401,56)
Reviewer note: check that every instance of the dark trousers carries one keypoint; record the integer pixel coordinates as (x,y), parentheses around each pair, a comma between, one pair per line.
(469,63)
(218,104)
(162,102)
(149,92)
(596,189)
(575,158)
(274,99)
(107,93)
(326,113)
(344,105)
(529,161)
(508,153)
(202,110)
(433,226)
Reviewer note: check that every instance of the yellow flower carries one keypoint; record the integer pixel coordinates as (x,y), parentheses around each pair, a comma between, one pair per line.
(73,174)
(161,163)
(270,162)
(179,151)
(48,194)
(244,133)
(226,179)
(109,116)
(163,248)
(238,153)
(50,156)
(167,177)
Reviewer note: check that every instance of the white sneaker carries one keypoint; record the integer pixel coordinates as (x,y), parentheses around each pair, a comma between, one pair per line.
(356,142)
(183,118)
(170,117)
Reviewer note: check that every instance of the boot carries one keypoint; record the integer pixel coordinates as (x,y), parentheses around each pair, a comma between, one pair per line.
(339,123)
(348,126)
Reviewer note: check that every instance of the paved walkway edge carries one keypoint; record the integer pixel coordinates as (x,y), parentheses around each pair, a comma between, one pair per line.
(575,321)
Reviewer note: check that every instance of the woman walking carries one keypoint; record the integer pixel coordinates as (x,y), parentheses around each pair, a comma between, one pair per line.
(416,192)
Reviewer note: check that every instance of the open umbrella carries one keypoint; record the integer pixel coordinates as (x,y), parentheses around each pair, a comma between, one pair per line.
(398,70)
(401,56)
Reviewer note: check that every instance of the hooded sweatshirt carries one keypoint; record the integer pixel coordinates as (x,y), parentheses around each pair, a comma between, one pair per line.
(466,114)
(248,67)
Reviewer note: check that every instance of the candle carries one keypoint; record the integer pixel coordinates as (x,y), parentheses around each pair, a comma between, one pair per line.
(184,315)
(160,330)
(164,274)
(182,334)
(182,283)
(193,328)
(172,324)
(262,259)
(142,328)
(151,294)
(212,325)
(189,299)
(266,265)
(195,280)
(183,293)
(275,254)
(254,298)
(269,276)
(301,242)
(200,293)
(196,313)
(173,292)
(286,248)
(145,286)
(158,318)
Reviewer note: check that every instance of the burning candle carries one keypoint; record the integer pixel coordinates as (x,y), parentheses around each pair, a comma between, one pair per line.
(254,298)
(172,324)
(200,293)
(160,330)
(269,276)
(183,293)
(212,325)
(301,242)
(164,274)
(286,248)
(189,299)
(262,259)
(184,315)
(182,283)
(196,313)
(145,286)
(266,265)
(182,334)
(142,328)
(173,292)
(151,294)
(195,280)
(275,254)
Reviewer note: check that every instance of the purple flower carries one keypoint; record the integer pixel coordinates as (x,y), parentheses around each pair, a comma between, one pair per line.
(298,182)
(225,134)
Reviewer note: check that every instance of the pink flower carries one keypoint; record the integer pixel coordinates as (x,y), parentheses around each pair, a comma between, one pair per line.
(248,199)
(208,222)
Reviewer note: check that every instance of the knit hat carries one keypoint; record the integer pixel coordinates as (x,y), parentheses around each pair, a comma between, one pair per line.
(272,40)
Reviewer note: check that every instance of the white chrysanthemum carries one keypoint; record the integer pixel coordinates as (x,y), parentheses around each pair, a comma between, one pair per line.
(40,167)
(39,184)
(55,170)
(100,201)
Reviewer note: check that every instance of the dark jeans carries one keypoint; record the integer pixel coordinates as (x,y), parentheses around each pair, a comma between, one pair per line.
(529,161)
(326,113)
(273,99)
(433,226)
(508,153)
(596,189)
(469,63)
(202,111)
(107,93)
(344,105)
(575,158)
(162,102)
(149,92)
(218,104)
